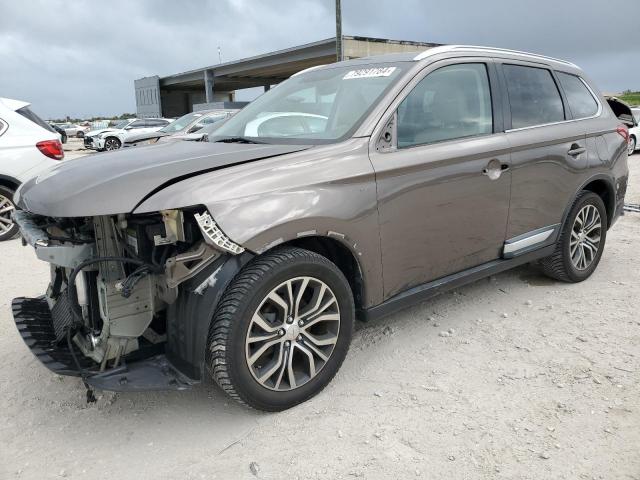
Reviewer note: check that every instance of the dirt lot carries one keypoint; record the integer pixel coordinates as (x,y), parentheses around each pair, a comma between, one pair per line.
(512,377)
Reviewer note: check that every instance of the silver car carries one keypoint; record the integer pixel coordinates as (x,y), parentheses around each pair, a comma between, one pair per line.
(188,124)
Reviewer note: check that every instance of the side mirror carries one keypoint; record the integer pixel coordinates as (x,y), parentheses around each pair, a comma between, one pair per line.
(128,128)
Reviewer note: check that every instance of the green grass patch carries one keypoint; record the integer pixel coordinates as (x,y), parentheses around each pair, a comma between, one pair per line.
(632,98)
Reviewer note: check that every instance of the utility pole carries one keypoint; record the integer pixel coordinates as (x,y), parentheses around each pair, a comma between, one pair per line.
(338,31)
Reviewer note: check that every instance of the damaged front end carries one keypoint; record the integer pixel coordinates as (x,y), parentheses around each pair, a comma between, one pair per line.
(113,311)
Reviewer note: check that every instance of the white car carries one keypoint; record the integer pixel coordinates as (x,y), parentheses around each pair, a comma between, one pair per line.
(112,138)
(28,146)
(634,133)
(73,130)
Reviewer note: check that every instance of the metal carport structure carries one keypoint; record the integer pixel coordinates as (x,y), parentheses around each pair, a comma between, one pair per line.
(215,85)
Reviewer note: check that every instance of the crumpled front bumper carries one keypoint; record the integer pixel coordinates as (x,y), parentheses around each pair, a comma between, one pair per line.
(35,325)
(94,143)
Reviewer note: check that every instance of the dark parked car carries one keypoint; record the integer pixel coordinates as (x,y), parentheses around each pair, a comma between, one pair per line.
(62,132)
(349,191)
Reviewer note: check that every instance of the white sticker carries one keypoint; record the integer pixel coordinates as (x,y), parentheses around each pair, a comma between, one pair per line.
(369,73)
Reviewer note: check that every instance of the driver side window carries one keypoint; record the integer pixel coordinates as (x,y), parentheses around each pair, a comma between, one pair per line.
(451,102)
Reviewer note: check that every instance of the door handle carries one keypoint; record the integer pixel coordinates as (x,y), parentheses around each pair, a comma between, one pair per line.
(494,169)
(576,150)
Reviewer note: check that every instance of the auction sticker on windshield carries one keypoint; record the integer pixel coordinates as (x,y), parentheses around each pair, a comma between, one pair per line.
(369,73)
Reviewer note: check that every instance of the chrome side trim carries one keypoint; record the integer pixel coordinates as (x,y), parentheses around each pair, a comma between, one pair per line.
(529,239)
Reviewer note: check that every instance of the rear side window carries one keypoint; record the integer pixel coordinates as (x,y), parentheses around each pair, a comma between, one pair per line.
(451,102)
(29,115)
(580,99)
(138,124)
(533,96)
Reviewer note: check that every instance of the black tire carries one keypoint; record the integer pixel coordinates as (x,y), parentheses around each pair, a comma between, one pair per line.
(559,265)
(111,143)
(63,138)
(632,145)
(13,230)
(80,134)
(226,360)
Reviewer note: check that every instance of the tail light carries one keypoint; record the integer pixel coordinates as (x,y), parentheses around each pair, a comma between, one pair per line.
(51,148)
(623,130)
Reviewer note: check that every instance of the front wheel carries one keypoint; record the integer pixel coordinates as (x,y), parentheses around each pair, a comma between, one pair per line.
(8,229)
(111,143)
(581,242)
(281,330)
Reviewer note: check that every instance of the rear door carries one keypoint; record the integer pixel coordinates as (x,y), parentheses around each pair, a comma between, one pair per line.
(443,190)
(547,150)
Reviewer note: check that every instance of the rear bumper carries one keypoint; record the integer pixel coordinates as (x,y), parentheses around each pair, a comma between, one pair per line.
(35,325)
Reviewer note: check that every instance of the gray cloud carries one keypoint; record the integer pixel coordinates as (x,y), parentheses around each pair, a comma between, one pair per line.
(80,58)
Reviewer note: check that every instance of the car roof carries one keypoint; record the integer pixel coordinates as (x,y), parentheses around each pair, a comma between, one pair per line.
(12,104)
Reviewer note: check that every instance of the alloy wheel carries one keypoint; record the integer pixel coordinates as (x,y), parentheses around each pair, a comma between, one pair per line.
(111,144)
(632,146)
(292,334)
(6,209)
(585,237)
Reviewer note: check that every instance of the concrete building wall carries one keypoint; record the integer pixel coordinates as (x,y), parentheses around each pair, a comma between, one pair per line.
(357,48)
(148,102)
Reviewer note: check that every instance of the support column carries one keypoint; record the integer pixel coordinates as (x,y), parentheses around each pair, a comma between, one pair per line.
(208,85)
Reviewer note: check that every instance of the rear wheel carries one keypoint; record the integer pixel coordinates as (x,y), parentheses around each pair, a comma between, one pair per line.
(281,330)
(111,143)
(581,242)
(8,229)
(632,145)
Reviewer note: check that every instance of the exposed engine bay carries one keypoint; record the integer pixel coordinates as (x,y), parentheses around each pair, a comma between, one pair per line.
(113,277)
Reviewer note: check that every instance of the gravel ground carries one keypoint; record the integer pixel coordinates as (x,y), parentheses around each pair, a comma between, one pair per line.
(515,376)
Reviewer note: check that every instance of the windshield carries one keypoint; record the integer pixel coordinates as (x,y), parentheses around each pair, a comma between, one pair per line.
(181,123)
(319,106)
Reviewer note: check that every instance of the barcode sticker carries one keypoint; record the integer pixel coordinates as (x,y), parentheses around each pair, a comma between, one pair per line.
(369,73)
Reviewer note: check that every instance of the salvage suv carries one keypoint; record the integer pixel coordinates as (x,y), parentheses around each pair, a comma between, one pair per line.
(248,257)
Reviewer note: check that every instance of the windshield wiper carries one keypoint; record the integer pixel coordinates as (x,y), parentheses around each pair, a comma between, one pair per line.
(238,140)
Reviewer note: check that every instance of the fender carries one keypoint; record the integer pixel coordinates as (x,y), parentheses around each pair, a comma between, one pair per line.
(323,191)
(611,206)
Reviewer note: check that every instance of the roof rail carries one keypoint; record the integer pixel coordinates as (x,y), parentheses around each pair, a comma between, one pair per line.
(448,48)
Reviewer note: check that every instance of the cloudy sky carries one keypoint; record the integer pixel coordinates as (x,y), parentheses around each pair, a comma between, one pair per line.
(80,58)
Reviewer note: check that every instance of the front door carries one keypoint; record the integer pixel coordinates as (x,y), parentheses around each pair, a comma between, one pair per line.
(443,190)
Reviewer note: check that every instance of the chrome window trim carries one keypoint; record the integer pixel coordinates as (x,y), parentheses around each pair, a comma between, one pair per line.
(596,115)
